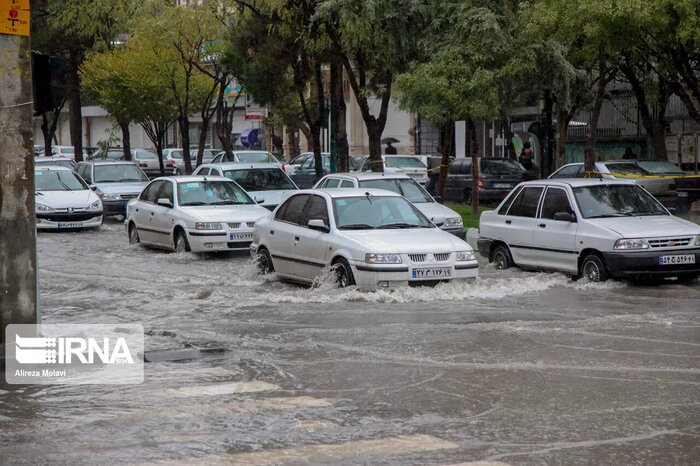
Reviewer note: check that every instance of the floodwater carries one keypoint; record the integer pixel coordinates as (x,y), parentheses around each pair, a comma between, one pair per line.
(517,368)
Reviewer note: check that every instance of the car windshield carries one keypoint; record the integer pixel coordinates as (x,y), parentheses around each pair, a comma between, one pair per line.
(57,180)
(500,167)
(118,174)
(215,192)
(660,168)
(260,179)
(145,155)
(625,168)
(176,154)
(608,200)
(403,162)
(57,163)
(408,188)
(380,212)
(254,157)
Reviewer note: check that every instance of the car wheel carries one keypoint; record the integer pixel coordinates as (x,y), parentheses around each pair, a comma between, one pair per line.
(181,244)
(265,261)
(343,273)
(501,258)
(134,235)
(593,269)
(467,196)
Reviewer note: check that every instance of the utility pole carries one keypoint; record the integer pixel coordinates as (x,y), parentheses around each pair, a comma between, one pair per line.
(18,273)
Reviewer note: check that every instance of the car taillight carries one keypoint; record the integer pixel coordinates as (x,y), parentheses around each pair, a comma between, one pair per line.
(143,165)
(170,163)
(284,169)
(481,183)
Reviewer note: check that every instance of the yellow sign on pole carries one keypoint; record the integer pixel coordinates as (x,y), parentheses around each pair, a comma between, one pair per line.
(14,17)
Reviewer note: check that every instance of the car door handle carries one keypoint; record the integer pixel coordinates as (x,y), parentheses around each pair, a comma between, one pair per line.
(296,238)
(272,232)
(542,225)
(508,222)
(151,214)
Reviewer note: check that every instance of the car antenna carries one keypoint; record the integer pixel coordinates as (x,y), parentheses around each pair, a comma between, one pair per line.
(369,196)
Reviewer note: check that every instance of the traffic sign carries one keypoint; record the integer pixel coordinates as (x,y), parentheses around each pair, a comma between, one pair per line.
(14,17)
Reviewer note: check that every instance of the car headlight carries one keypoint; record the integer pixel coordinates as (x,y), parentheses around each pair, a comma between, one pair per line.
(43,208)
(207,226)
(383,258)
(631,244)
(452,222)
(110,197)
(464,256)
(97,205)
(697,240)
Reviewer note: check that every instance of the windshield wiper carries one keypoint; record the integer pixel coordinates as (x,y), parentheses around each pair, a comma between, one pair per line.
(356,226)
(617,214)
(186,204)
(128,179)
(37,193)
(225,203)
(400,225)
(644,213)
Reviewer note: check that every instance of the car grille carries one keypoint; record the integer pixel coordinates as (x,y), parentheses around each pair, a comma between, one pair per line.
(238,244)
(68,216)
(669,242)
(439,257)
(234,225)
(128,196)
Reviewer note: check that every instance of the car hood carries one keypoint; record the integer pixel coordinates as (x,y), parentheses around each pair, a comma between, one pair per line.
(435,210)
(224,213)
(64,199)
(408,241)
(648,227)
(272,197)
(122,188)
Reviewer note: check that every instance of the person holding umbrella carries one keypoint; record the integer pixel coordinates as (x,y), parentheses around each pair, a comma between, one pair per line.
(390,150)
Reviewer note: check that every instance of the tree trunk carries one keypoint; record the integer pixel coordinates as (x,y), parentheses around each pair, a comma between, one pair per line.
(548,153)
(292,142)
(126,139)
(447,137)
(375,148)
(338,103)
(471,129)
(318,158)
(45,133)
(563,119)
(508,135)
(605,76)
(224,115)
(184,125)
(75,117)
(304,128)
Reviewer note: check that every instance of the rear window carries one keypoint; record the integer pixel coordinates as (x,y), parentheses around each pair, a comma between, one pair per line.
(500,167)
(660,168)
(624,168)
(404,162)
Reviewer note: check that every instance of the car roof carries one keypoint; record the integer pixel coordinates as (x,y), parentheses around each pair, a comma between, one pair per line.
(193,178)
(109,162)
(241,165)
(360,176)
(54,168)
(576,182)
(249,150)
(44,158)
(350,192)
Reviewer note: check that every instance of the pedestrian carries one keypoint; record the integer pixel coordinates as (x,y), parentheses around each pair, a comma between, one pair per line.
(526,156)
(390,150)
(629,154)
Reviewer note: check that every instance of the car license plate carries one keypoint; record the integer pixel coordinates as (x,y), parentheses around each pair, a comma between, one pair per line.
(70,225)
(442,272)
(240,236)
(502,185)
(682,193)
(680,259)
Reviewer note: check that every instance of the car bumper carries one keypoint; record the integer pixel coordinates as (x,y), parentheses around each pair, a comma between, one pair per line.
(114,207)
(484,247)
(214,241)
(646,264)
(66,221)
(373,277)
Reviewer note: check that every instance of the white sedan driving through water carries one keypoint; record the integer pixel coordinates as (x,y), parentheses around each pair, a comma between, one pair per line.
(64,201)
(371,237)
(193,213)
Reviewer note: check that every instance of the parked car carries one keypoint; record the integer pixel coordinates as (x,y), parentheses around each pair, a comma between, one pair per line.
(67,151)
(247,156)
(54,161)
(305,175)
(657,177)
(442,216)
(114,153)
(115,182)
(373,238)
(497,177)
(64,201)
(265,182)
(407,164)
(193,213)
(148,162)
(177,156)
(291,166)
(591,228)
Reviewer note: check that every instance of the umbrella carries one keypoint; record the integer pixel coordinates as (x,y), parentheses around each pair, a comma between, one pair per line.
(389,140)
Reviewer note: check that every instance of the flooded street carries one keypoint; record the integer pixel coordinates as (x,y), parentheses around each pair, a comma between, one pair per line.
(519,367)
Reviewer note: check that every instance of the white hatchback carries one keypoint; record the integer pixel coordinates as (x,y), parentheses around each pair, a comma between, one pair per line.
(193,213)
(64,201)
(372,237)
(591,228)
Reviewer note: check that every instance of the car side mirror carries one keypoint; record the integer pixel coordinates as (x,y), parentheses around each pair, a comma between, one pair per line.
(438,220)
(259,200)
(671,210)
(165,202)
(319,225)
(93,187)
(565,217)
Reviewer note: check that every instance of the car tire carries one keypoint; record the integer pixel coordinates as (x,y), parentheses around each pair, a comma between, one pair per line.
(501,258)
(593,269)
(467,197)
(134,235)
(343,273)
(181,244)
(265,265)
